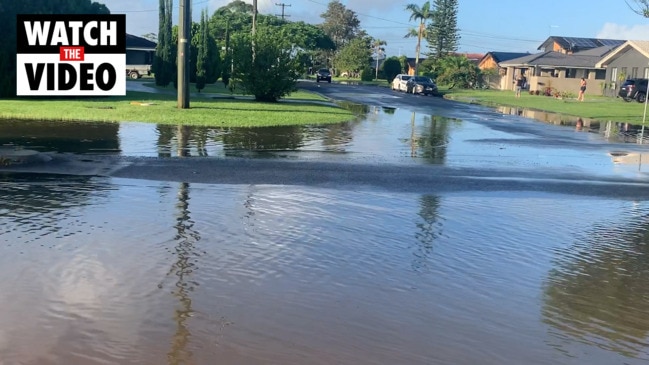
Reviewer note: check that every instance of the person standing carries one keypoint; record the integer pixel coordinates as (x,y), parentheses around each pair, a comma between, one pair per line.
(582,89)
(520,80)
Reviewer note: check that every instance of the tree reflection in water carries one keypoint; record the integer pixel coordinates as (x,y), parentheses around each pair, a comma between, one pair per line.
(283,138)
(184,136)
(185,251)
(430,141)
(183,133)
(598,293)
(433,142)
(428,229)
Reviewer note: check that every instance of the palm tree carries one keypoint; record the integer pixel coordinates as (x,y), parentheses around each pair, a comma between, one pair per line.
(414,32)
(641,8)
(378,51)
(423,14)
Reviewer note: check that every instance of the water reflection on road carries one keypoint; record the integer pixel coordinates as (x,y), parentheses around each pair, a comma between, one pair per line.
(383,135)
(137,272)
(110,270)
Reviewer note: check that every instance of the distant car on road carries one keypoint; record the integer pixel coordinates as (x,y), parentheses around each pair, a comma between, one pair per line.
(421,85)
(323,74)
(634,89)
(399,82)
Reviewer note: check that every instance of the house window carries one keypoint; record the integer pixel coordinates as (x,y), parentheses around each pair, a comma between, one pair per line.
(614,74)
(646,72)
(634,72)
(623,73)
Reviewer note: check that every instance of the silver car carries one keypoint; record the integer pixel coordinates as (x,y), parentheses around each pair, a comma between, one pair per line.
(399,82)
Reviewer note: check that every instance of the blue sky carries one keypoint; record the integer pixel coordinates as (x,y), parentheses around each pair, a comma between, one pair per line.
(501,25)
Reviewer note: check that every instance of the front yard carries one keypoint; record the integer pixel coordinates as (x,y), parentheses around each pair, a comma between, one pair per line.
(595,107)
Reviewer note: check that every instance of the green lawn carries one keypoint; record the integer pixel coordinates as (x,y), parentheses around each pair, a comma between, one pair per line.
(162,108)
(595,107)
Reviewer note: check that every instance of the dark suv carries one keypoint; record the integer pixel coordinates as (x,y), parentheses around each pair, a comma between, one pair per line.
(323,74)
(634,89)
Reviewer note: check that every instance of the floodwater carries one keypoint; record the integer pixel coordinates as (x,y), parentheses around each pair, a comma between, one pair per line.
(104,270)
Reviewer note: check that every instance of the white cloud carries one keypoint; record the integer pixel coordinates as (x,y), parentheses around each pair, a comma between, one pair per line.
(263,6)
(625,32)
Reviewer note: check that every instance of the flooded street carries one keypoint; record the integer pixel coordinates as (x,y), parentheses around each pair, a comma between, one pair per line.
(461,235)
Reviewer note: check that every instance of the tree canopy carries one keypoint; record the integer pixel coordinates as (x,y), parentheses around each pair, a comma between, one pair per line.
(354,56)
(164,62)
(275,68)
(340,24)
(423,14)
(442,33)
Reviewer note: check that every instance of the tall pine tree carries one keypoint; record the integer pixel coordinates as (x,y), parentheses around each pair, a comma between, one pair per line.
(202,59)
(164,62)
(442,33)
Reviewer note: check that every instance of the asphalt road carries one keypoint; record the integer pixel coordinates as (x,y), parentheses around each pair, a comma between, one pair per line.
(345,175)
(385,97)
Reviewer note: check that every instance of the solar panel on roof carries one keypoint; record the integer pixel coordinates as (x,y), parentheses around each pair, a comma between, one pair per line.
(585,42)
(610,42)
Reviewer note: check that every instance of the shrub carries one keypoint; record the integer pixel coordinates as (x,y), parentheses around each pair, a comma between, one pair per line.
(531,92)
(275,69)
(567,95)
(367,75)
(391,68)
(548,91)
(537,92)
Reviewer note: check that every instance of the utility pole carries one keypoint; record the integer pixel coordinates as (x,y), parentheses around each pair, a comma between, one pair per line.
(254,17)
(184,35)
(283,5)
(254,27)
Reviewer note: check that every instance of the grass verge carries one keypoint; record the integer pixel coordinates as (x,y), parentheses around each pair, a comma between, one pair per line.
(162,109)
(595,107)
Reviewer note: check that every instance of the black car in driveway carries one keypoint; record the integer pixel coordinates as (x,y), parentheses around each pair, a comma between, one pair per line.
(323,74)
(634,89)
(421,85)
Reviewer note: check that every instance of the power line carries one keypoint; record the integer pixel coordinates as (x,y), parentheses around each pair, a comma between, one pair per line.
(283,6)
(152,10)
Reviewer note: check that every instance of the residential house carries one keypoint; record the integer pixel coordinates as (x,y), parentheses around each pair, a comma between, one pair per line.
(491,61)
(472,57)
(139,53)
(630,60)
(570,45)
(559,70)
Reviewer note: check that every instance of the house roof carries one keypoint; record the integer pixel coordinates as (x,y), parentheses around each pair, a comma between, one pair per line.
(411,60)
(135,42)
(640,46)
(504,56)
(558,59)
(470,56)
(577,43)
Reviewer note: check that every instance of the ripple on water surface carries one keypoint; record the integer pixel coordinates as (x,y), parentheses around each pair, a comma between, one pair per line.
(137,272)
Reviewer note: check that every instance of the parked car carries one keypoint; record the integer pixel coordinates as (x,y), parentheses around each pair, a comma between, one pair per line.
(634,89)
(421,85)
(399,82)
(323,74)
